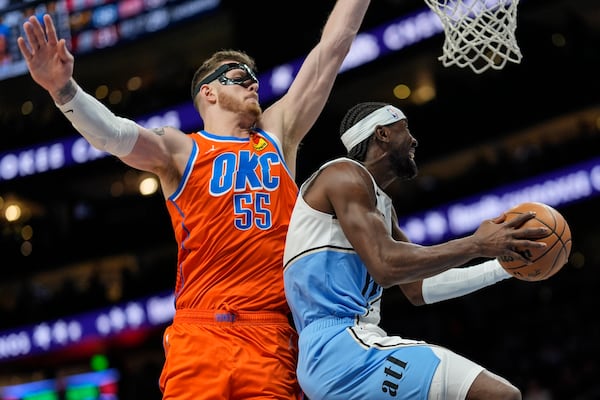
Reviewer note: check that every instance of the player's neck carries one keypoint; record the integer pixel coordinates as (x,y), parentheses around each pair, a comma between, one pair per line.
(383,173)
(229,125)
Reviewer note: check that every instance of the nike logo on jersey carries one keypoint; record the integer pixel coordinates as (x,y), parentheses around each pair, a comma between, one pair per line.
(69,111)
(212,148)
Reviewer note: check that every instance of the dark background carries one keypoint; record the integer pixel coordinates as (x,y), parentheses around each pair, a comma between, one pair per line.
(477,133)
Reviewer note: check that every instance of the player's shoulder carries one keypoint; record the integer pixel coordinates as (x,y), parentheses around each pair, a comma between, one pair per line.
(343,165)
(173,138)
(344,172)
(173,130)
(164,130)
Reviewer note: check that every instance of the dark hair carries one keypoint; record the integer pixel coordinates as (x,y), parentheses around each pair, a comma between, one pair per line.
(353,115)
(216,59)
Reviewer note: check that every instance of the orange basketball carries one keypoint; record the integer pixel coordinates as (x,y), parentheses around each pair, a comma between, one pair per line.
(547,261)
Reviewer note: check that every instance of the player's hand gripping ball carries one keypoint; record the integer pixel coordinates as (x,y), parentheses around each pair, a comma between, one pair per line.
(546,261)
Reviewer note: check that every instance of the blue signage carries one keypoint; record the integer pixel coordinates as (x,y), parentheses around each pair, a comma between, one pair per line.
(557,188)
(368,46)
(95,325)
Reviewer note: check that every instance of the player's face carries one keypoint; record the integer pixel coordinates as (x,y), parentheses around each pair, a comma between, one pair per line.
(238,91)
(236,87)
(403,150)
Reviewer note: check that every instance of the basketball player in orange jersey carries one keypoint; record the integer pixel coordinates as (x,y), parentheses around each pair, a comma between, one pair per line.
(230,191)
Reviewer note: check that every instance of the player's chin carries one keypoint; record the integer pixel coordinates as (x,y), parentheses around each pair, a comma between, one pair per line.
(410,171)
(255,109)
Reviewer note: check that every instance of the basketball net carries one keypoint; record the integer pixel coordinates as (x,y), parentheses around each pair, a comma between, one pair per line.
(480,34)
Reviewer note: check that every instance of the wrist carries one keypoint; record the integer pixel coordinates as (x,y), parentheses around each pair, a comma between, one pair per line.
(65,93)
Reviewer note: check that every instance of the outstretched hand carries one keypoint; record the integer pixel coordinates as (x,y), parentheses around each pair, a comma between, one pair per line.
(49,61)
(497,237)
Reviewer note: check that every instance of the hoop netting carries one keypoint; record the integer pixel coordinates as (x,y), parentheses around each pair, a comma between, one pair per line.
(479,34)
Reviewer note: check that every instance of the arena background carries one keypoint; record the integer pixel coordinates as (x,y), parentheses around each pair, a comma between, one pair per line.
(98,243)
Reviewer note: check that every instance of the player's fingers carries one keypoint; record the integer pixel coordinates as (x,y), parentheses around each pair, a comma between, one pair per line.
(24,48)
(50,30)
(537,232)
(520,219)
(499,219)
(63,51)
(31,26)
(528,243)
(35,33)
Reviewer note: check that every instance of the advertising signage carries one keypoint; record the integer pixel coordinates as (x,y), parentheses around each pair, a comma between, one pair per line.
(90,25)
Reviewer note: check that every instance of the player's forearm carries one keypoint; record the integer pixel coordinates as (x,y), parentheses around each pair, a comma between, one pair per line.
(458,282)
(312,86)
(343,24)
(96,123)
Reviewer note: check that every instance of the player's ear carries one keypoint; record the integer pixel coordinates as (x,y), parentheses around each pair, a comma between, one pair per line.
(381,133)
(207,92)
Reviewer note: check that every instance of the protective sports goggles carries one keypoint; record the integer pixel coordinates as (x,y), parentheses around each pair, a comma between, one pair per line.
(220,73)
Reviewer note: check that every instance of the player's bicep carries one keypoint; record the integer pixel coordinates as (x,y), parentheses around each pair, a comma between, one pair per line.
(355,207)
(148,151)
(164,152)
(293,115)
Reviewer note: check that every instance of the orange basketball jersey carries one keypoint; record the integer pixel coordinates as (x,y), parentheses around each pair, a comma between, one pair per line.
(230,215)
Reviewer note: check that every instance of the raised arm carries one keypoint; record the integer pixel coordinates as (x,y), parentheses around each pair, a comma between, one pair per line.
(51,66)
(292,116)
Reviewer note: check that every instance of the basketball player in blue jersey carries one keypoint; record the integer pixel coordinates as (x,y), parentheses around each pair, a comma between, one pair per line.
(344,246)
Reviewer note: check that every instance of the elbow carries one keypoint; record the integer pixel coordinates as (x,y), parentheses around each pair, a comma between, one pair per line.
(415,301)
(413,293)
(415,298)
(382,278)
(386,275)
(389,276)
(399,278)
(390,273)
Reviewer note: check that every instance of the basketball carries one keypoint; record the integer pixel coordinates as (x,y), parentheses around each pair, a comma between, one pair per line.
(549,260)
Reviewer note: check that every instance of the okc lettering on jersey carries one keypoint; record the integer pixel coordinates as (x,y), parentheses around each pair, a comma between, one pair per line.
(249,176)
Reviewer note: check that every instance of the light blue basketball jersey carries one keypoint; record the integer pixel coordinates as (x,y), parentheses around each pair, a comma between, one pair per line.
(335,304)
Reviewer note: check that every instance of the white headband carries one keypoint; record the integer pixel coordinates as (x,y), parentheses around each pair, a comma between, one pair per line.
(366,126)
